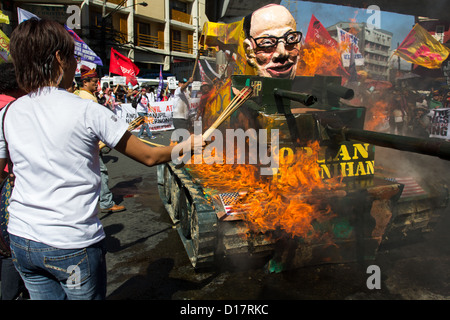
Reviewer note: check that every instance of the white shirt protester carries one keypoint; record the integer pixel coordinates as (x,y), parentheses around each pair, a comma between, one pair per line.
(144,100)
(181,104)
(50,120)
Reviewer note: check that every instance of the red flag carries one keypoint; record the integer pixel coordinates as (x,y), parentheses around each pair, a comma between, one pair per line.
(123,66)
(318,33)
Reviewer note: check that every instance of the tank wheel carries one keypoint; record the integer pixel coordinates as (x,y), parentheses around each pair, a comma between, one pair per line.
(192,213)
(185,212)
(195,238)
(203,238)
(168,184)
(175,199)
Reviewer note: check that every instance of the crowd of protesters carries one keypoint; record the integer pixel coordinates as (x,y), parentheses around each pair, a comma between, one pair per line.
(112,95)
(401,111)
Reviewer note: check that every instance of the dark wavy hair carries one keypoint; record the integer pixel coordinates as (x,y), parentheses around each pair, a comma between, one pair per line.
(33,48)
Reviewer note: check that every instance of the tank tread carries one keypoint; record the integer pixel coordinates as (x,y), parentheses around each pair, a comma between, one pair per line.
(205,238)
(417,215)
(192,214)
(412,218)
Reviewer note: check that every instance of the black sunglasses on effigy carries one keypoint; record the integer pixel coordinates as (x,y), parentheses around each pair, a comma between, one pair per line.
(290,38)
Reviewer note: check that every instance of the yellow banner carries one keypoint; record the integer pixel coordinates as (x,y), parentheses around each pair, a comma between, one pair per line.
(421,48)
(4,47)
(4,18)
(228,36)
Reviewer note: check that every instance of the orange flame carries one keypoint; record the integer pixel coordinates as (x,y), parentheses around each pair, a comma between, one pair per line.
(290,202)
(376,115)
(316,58)
(321,59)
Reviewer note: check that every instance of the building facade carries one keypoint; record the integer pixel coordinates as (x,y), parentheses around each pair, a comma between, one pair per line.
(149,32)
(374,45)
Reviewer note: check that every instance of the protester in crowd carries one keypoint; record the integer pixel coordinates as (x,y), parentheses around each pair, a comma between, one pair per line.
(272,42)
(170,94)
(73,88)
(131,94)
(120,97)
(151,95)
(181,104)
(164,94)
(89,79)
(436,100)
(205,92)
(421,102)
(396,118)
(12,284)
(446,100)
(142,109)
(421,122)
(110,99)
(53,136)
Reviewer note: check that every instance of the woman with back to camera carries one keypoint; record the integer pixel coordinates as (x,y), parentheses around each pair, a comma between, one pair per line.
(52,137)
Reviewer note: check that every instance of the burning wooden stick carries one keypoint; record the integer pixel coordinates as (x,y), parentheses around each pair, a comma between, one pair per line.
(235,104)
(135,123)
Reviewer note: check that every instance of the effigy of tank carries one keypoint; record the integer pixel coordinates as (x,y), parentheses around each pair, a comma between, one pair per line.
(295,183)
(310,192)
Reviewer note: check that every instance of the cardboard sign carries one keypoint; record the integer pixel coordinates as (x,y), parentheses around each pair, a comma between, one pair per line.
(172,82)
(119,80)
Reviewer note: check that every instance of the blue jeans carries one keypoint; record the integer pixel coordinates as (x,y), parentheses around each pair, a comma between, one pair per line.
(144,126)
(58,274)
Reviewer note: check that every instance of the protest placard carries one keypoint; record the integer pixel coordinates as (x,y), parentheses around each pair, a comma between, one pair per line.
(439,123)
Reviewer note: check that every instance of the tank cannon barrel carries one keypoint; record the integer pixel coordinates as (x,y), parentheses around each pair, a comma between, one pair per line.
(431,147)
(340,91)
(303,98)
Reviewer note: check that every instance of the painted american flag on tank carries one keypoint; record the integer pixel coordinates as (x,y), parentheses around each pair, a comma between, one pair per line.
(411,187)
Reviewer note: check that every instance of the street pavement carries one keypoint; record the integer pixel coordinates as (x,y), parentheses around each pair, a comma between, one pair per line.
(147,261)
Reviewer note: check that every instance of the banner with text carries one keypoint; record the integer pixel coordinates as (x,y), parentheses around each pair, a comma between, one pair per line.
(349,42)
(439,123)
(194,103)
(160,120)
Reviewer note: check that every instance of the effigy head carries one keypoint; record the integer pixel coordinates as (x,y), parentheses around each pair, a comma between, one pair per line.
(272,42)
